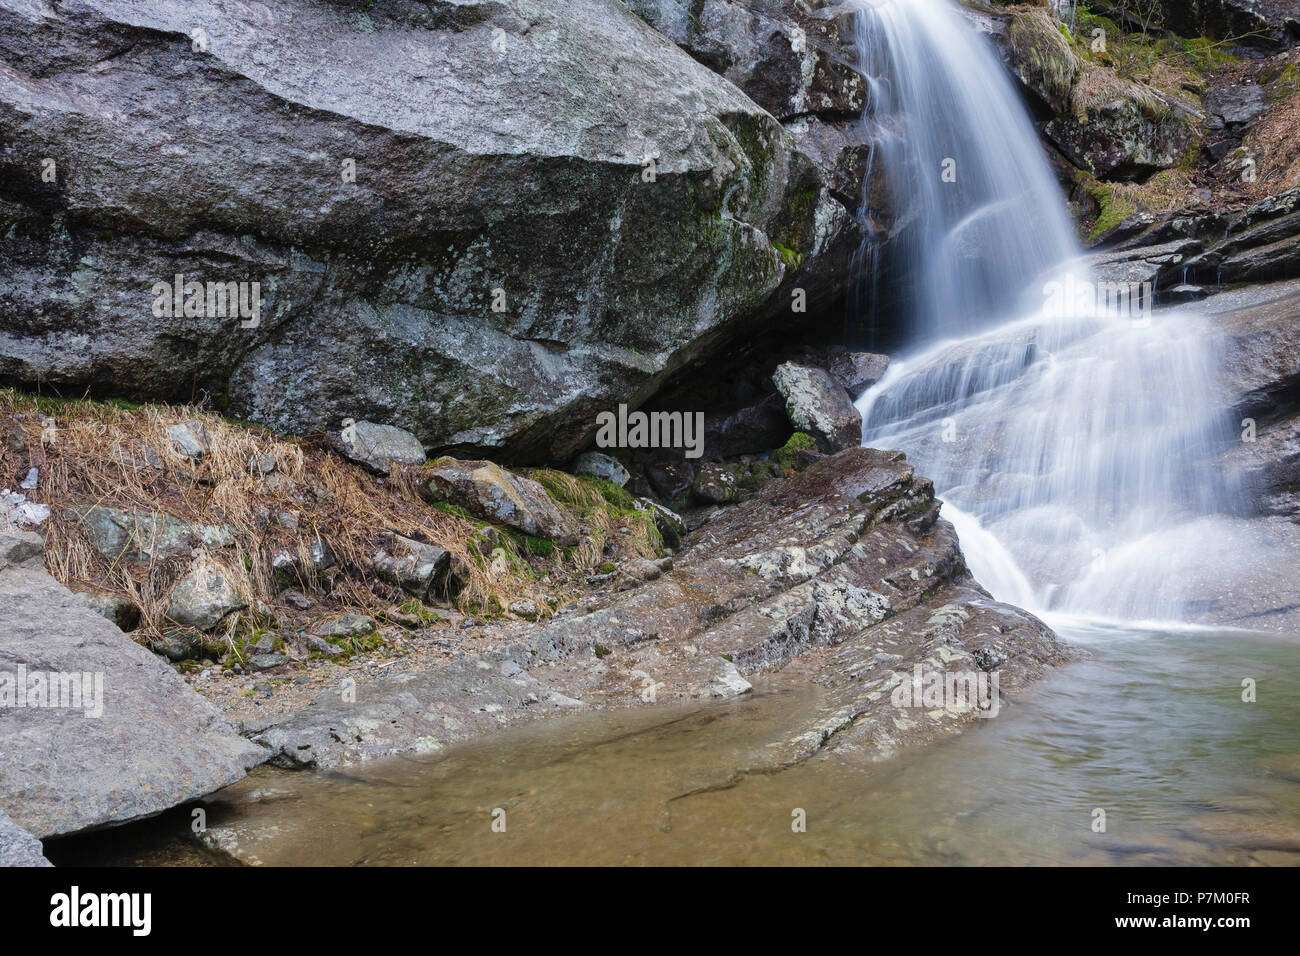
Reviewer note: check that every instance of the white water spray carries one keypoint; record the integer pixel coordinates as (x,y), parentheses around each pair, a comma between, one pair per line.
(1069,433)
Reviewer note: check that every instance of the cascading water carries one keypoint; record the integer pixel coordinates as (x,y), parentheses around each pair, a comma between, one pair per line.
(1068,433)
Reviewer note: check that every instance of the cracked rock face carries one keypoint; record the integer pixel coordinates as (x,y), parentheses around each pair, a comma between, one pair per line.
(482,222)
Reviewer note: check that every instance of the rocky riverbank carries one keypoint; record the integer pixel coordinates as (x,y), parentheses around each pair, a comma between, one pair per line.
(839,562)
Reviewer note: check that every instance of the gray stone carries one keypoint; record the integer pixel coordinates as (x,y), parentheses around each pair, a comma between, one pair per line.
(819,406)
(601,466)
(413,566)
(379,447)
(203,597)
(473,166)
(490,492)
(156,744)
(145,536)
(264,662)
(190,439)
(858,371)
(17,846)
(346,625)
(527,609)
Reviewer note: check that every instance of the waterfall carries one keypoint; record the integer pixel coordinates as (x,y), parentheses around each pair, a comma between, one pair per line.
(1067,425)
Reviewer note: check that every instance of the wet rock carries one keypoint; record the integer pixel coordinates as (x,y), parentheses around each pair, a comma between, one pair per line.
(156,743)
(415,567)
(601,466)
(190,439)
(203,597)
(17,846)
(857,371)
(379,447)
(490,492)
(413,712)
(818,405)
(145,536)
(122,611)
(386,336)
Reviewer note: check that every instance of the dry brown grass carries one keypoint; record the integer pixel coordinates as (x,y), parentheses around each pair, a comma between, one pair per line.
(121,457)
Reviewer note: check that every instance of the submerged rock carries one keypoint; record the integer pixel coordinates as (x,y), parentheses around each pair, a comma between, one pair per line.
(141,740)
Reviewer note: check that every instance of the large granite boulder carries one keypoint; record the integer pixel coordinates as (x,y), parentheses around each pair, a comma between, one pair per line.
(140,740)
(482,221)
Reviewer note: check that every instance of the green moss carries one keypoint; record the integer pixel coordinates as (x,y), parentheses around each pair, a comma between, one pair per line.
(539,546)
(785,457)
(1114,208)
(606,567)
(446,507)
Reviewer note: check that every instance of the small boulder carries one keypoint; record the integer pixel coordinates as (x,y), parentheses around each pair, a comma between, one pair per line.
(190,439)
(819,405)
(265,662)
(670,476)
(294,570)
(413,566)
(526,609)
(203,597)
(601,466)
(346,625)
(490,492)
(715,485)
(379,447)
(858,371)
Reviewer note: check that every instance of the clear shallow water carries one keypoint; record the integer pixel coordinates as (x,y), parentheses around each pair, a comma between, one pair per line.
(1152,730)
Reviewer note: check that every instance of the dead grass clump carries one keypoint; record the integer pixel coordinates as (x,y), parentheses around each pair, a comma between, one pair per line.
(275,495)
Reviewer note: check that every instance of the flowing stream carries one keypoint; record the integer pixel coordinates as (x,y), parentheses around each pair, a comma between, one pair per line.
(1070,443)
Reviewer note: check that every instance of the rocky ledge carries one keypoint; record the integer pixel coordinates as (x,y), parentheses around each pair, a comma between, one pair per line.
(845,566)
